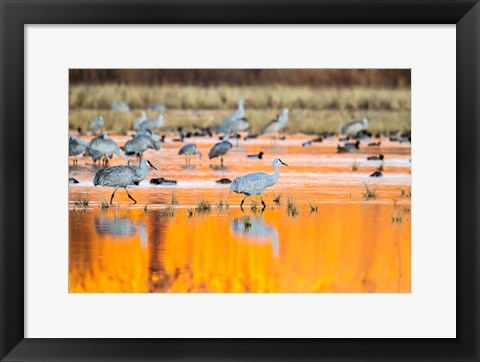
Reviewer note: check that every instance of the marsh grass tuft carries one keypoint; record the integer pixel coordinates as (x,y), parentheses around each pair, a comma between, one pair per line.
(254,206)
(173,200)
(369,193)
(406,209)
(396,216)
(313,208)
(355,166)
(190,212)
(276,198)
(407,193)
(145,208)
(203,206)
(81,203)
(292,209)
(246,222)
(223,204)
(104,204)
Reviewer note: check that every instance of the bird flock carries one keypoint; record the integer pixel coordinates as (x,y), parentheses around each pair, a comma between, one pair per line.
(101,148)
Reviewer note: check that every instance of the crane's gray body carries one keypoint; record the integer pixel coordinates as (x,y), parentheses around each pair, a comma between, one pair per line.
(139,144)
(139,120)
(277,124)
(352,128)
(255,183)
(121,176)
(188,150)
(76,146)
(151,124)
(97,124)
(229,123)
(105,147)
(220,149)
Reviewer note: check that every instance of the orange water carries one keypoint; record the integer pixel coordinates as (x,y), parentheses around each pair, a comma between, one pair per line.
(350,244)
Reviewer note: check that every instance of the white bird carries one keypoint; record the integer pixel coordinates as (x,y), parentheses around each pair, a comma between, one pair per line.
(188,150)
(277,125)
(96,124)
(151,123)
(121,176)
(255,183)
(238,115)
(352,128)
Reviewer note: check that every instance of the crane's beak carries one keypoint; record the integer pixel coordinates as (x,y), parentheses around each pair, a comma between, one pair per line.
(152,166)
(283,163)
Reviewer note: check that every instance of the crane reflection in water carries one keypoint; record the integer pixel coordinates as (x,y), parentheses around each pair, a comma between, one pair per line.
(121,226)
(254,229)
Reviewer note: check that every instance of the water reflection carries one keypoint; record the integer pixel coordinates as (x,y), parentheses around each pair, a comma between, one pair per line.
(120,226)
(255,229)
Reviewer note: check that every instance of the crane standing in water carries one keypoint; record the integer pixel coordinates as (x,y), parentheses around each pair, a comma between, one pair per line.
(121,176)
(188,150)
(220,149)
(255,183)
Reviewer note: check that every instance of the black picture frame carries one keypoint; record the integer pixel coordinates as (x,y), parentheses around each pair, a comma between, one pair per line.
(16,14)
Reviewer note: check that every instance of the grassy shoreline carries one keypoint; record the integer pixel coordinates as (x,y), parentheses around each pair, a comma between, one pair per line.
(312,110)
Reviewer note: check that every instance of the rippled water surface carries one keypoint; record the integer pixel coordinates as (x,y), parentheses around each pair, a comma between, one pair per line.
(349,243)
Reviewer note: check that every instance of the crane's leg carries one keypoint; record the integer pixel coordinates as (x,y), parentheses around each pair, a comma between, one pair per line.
(221,161)
(241,204)
(130,196)
(111,198)
(263,203)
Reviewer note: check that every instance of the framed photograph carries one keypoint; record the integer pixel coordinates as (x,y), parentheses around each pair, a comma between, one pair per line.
(283,186)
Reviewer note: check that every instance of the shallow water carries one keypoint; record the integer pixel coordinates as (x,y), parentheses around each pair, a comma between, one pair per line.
(350,244)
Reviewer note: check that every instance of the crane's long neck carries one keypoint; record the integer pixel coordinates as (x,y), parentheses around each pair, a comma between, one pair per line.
(273,178)
(142,170)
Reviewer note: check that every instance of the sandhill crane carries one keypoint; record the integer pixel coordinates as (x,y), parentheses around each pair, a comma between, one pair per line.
(220,149)
(138,145)
(136,123)
(188,150)
(238,115)
(97,124)
(121,176)
(151,123)
(352,128)
(75,147)
(88,149)
(120,106)
(105,147)
(255,183)
(277,125)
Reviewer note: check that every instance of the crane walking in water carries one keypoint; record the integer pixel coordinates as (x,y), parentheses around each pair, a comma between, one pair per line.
(121,176)
(255,183)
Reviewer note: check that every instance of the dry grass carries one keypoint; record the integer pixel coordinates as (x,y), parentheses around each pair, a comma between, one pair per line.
(312,110)
(203,206)
(396,216)
(223,204)
(292,209)
(276,198)
(355,166)
(369,193)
